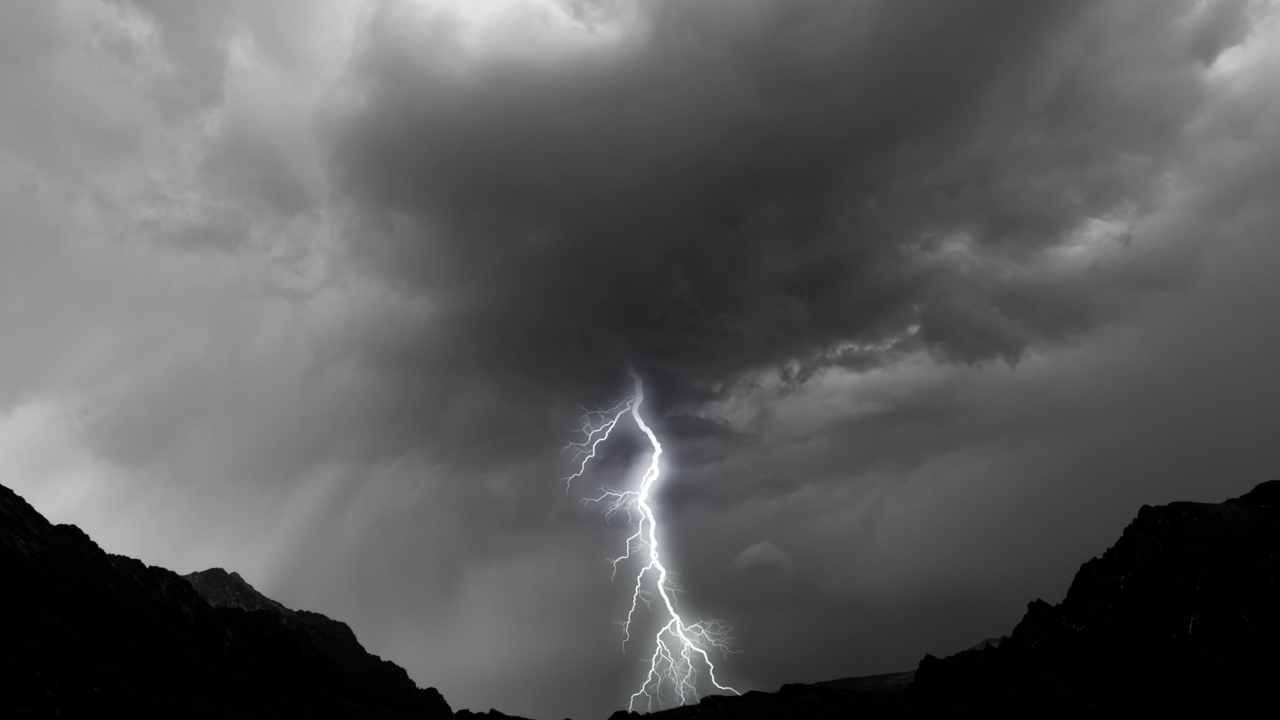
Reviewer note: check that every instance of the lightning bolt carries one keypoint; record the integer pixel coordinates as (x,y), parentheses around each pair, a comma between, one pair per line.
(680,648)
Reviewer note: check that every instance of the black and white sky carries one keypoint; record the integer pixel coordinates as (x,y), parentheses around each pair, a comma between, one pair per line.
(930,297)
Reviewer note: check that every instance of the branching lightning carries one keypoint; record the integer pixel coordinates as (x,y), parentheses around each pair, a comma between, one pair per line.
(681,649)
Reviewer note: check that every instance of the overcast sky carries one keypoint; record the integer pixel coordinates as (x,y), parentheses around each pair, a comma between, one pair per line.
(930,297)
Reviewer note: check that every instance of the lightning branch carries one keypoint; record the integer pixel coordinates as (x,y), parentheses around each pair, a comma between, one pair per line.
(682,651)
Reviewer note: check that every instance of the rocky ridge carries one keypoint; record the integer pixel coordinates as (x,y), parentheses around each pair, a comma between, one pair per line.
(1181,615)
(84,633)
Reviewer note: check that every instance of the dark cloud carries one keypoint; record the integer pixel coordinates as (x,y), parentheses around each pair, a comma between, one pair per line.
(748,184)
(928,298)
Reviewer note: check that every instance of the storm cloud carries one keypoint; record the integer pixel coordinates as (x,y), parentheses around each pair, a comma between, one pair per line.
(713,188)
(930,298)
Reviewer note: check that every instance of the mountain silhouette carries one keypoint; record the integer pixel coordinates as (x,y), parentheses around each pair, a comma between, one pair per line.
(84,633)
(1181,615)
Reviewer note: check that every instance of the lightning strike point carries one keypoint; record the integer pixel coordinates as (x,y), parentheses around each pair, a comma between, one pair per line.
(681,650)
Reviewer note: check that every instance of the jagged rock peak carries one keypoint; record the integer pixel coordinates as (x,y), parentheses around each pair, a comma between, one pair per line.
(90,634)
(220,588)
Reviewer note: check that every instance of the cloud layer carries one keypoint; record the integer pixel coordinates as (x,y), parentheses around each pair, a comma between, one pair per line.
(930,297)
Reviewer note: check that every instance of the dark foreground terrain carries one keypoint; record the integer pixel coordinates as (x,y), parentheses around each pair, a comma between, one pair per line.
(1180,618)
(1181,615)
(88,634)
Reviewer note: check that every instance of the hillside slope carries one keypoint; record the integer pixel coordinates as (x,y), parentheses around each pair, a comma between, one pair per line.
(87,634)
(1181,615)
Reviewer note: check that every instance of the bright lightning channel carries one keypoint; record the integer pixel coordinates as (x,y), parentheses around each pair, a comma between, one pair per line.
(680,648)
